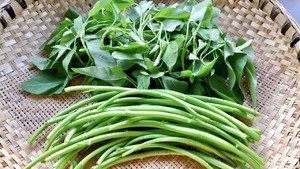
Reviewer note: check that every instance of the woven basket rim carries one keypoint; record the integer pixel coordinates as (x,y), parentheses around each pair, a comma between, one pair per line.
(265,22)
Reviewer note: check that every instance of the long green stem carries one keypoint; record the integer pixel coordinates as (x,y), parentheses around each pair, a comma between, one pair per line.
(84,143)
(98,151)
(116,160)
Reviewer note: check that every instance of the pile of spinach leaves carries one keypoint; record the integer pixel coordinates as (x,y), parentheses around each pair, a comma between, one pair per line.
(178,47)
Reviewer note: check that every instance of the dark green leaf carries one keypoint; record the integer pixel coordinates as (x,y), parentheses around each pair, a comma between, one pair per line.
(249,68)
(40,62)
(132,47)
(238,94)
(229,51)
(101,57)
(171,54)
(197,88)
(56,34)
(150,65)
(252,81)
(143,81)
(43,82)
(218,85)
(66,61)
(203,68)
(113,75)
(172,13)
(174,84)
(238,62)
(72,13)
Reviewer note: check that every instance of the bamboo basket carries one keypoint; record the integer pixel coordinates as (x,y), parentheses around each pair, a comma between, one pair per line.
(25,24)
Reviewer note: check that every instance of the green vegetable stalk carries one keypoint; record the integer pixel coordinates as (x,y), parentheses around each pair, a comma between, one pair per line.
(160,122)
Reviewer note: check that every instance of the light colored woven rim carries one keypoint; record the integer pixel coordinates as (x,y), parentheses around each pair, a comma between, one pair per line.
(277,67)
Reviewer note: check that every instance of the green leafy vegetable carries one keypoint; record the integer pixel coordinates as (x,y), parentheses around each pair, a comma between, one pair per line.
(145,45)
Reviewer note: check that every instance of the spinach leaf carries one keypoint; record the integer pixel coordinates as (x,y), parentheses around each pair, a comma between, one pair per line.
(56,35)
(44,82)
(114,75)
(72,13)
(101,57)
(174,84)
(172,13)
(218,85)
(143,81)
(229,51)
(40,62)
(172,24)
(249,67)
(66,61)
(171,54)
(202,12)
(139,10)
(202,68)
(98,6)
(126,56)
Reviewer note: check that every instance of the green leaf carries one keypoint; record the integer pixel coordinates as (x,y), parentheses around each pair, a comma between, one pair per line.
(56,34)
(249,68)
(126,56)
(150,66)
(78,25)
(238,62)
(98,6)
(72,13)
(113,75)
(139,10)
(202,68)
(171,24)
(123,4)
(44,82)
(229,51)
(218,85)
(186,73)
(174,84)
(202,12)
(132,47)
(101,57)
(209,34)
(66,61)
(172,13)
(171,54)
(197,88)
(143,81)
(215,17)
(40,62)
(238,94)
(252,81)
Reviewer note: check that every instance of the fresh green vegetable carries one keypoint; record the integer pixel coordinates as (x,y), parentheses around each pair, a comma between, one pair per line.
(131,123)
(177,47)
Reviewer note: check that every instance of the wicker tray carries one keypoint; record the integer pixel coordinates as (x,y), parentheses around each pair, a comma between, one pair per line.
(275,39)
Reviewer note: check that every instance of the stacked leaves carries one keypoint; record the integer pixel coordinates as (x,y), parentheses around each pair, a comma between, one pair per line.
(177,47)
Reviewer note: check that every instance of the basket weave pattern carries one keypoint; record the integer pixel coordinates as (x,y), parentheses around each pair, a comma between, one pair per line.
(276,65)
